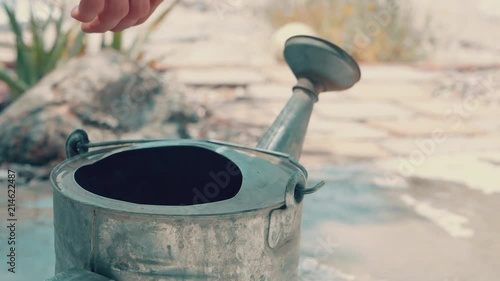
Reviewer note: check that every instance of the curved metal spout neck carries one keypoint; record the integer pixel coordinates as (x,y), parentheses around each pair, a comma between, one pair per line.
(288,131)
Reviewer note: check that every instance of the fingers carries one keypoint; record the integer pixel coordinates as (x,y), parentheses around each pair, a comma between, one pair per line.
(87,10)
(115,15)
(138,9)
(114,11)
(153,5)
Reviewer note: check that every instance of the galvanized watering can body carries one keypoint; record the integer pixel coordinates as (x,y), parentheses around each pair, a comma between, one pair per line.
(174,210)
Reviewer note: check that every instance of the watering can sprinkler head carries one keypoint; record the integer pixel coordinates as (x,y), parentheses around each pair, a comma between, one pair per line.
(319,66)
(321,63)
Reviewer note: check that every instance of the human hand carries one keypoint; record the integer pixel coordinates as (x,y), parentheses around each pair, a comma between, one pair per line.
(98,16)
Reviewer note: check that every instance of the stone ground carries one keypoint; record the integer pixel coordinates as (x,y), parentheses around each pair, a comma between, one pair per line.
(411,156)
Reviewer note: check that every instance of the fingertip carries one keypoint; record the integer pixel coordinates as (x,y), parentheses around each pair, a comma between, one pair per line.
(82,17)
(75,12)
(85,28)
(88,28)
(141,21)
(118,29)
(93,28)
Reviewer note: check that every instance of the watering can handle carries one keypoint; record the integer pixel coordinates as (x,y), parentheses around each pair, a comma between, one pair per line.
(314,188)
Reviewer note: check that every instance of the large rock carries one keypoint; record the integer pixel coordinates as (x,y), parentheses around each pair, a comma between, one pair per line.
(105,94)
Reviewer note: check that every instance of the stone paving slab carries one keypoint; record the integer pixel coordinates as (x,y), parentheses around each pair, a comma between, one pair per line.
(334,97)
(425,127)
(407,146)
(255,114)
(219,77)
(314,159)
(342,129)
(432,108)
(490,125)
(362,110)
(396,73)
(343,148)
(225,37)
(279,73)
(477,171)
(391,90)
(446,108)
(267,92)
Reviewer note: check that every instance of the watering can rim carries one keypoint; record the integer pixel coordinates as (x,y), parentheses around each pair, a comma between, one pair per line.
(270,193)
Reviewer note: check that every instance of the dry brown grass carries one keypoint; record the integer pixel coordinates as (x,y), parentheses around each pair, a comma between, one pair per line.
(370,30)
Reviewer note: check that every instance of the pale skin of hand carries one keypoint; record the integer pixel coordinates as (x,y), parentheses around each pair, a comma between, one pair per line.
(99,16)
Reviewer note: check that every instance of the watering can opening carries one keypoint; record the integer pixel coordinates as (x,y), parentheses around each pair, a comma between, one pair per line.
(166,176)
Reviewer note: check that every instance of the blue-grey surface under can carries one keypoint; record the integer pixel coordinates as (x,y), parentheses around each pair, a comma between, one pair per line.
(189,210)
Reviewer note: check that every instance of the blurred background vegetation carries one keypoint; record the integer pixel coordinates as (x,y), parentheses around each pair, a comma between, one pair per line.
(370,30)
(38,54)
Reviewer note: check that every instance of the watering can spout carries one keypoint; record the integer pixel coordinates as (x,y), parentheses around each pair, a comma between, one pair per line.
(288,131)
(319,66)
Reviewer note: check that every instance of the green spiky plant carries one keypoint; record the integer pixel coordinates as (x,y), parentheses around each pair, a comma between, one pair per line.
(37,58)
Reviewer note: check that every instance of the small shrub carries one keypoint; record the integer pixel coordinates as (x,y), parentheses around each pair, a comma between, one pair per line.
(370,30)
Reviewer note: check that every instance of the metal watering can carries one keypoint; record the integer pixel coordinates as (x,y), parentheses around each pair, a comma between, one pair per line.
(172,210)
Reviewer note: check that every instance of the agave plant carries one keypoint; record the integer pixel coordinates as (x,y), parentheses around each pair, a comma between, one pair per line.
(39,56)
